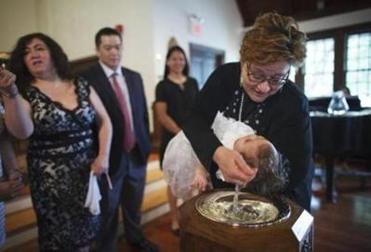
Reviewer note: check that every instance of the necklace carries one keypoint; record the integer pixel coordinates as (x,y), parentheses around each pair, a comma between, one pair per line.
(241,106)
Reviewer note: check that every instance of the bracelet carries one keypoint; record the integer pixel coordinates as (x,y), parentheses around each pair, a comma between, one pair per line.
(9,91)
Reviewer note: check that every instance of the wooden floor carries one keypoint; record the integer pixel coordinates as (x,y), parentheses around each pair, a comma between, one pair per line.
(344,226)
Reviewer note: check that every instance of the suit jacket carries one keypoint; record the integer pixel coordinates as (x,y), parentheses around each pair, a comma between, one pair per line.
(97,78)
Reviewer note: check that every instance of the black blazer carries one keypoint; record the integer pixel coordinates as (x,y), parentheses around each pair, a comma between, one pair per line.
(97,78)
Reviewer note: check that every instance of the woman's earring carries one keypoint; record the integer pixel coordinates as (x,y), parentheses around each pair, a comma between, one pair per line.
(241,81)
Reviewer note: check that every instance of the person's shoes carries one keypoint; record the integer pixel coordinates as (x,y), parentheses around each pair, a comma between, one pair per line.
(175,228)
(145,246)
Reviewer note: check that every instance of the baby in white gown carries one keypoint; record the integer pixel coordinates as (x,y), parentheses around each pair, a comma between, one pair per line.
(184,172)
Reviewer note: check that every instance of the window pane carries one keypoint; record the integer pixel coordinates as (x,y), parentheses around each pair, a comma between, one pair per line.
(319,68)
(358,66)
(292,73)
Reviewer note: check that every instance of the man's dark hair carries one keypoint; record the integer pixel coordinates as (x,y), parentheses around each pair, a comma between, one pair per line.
(18,67)
(106,31)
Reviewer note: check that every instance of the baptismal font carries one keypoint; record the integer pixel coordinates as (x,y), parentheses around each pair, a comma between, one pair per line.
(222,220)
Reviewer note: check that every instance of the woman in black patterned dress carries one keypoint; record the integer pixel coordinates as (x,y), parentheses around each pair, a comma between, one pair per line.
(63,149)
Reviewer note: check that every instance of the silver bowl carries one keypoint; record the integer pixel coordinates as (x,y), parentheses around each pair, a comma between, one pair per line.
(251,211)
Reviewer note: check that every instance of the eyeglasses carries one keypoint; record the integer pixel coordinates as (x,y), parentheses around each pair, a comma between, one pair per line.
(274,81)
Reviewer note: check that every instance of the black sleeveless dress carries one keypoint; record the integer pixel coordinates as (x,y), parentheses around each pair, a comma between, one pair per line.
(60,152)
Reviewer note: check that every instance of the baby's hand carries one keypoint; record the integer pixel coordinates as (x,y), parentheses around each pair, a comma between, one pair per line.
(200,181)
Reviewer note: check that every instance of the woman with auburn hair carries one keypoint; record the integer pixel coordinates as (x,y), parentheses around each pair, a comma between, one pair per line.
(257,91)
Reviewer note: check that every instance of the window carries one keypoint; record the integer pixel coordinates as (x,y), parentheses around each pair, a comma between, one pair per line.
(337,59)
(358,66)
(319,67)
(293,73)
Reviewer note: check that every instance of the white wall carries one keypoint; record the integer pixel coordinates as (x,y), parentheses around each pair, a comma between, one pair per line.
(221,28)
(74,24)
(17,17)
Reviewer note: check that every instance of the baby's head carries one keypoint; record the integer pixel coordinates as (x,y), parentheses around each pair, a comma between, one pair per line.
(260,153)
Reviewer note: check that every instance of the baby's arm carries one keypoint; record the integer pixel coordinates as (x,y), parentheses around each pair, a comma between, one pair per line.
(200,181)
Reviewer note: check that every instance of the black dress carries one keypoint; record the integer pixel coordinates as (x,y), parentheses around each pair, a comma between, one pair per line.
(60,152)
(179,101)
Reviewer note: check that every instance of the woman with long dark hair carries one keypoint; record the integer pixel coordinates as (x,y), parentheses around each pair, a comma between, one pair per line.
(175,96)
(59,114)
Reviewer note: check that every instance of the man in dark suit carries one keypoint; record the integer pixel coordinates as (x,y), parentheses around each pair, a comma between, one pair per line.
(122,93)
